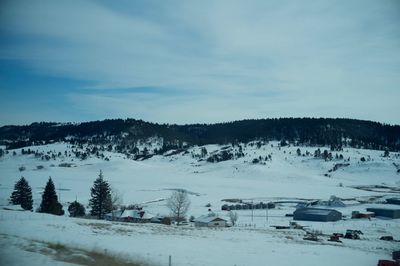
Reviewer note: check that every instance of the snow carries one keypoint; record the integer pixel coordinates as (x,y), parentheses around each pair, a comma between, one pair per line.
(252,242)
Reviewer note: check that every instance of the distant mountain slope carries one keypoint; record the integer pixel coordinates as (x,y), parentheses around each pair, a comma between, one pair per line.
(311,131)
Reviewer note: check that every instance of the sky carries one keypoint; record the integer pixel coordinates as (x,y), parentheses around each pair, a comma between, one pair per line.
(199,61)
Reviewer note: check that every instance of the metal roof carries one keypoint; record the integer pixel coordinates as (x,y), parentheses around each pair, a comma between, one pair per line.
(208,218)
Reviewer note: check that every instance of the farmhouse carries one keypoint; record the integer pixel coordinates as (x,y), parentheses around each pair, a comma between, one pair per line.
(210,220)
(390,213)
(317,215)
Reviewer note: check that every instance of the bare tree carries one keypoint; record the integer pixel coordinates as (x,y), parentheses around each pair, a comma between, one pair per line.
(116,198)
(178,204)
(233,217)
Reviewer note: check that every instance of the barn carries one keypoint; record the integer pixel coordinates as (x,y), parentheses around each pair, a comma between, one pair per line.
(317,215)
(383,212)
(210,221)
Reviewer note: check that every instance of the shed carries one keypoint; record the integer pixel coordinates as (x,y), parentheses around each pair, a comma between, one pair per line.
(317,215)
(383,212)
(210,221)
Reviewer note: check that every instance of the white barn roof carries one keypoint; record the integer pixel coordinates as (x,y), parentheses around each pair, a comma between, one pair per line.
(208,218)
(134,214)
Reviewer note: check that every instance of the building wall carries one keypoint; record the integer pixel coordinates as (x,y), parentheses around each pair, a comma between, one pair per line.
(217,224)
(304,216)
(390,213)
(211,224)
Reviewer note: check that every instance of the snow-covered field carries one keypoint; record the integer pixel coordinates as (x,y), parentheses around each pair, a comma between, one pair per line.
(253,242)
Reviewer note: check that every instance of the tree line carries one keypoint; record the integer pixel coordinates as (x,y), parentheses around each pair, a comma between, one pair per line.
(308,131)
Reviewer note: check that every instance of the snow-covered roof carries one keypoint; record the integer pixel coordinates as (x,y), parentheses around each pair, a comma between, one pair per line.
(135,214)
(331,203)
(13,208)
(351,202)
(208,218)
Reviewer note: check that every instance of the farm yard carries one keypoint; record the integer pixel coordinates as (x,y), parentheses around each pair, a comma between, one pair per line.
(282,185)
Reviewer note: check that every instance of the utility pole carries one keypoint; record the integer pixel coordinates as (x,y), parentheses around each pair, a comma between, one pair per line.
(252,210)
(59,192)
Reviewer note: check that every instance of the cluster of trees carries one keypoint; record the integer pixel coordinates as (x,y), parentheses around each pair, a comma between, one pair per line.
(79,152)
(101,201)
(22,195)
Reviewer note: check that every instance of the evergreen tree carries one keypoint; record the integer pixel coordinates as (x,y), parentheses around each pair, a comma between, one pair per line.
(22,194)
(50,202)
(100,202)
(76,209)
(386,153)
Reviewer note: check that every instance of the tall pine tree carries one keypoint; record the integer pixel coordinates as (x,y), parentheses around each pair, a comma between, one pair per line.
(50,202)
(22,194)
(101,197)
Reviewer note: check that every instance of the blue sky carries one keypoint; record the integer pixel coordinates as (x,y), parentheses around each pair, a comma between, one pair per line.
(199,61)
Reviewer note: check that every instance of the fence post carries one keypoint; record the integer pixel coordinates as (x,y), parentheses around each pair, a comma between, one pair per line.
(170,261)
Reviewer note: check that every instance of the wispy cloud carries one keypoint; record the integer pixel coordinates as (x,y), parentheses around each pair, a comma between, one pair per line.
(188,61)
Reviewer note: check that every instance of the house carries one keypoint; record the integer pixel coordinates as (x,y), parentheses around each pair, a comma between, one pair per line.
(135,216)
(210,220)
(383,212)
(395,201)
(317,215)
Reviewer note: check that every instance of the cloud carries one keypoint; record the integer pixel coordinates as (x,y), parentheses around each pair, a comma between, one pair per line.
(231,56)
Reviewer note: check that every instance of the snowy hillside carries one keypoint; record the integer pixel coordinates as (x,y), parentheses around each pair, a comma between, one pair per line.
(210,174)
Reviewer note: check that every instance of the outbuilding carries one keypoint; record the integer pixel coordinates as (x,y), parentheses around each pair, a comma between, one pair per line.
(210,221)
(317,215)
(384,212)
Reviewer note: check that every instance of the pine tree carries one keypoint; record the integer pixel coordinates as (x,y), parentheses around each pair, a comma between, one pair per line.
(101,197)
(22,194)
(50,202)
(76,209)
